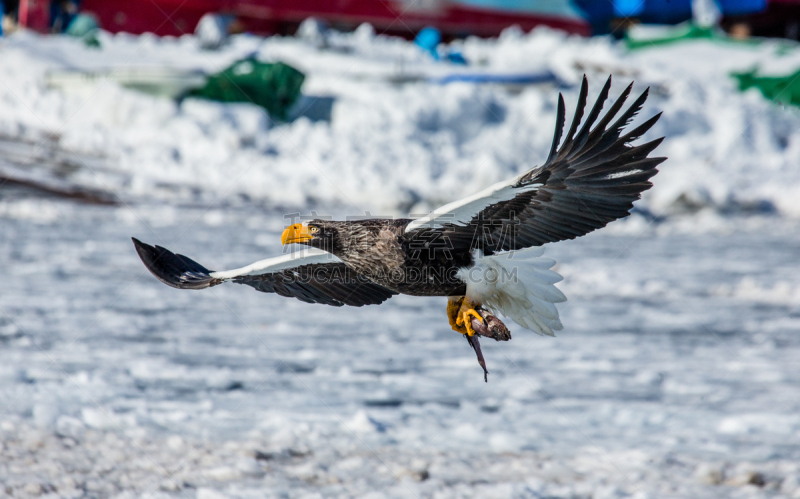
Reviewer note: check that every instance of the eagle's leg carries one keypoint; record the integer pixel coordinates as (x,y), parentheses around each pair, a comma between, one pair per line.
(453,306)
(465,315)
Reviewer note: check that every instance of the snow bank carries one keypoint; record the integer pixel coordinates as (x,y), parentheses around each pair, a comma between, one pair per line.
(394,148)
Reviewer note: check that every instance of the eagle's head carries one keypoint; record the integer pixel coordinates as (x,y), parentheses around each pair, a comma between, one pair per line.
(321,234)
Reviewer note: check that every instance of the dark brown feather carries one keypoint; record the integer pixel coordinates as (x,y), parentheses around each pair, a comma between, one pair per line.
(327,283)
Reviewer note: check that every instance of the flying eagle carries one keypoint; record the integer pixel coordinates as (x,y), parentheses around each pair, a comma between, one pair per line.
(483,252)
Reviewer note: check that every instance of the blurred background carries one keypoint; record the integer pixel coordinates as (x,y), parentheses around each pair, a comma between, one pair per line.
(201,125)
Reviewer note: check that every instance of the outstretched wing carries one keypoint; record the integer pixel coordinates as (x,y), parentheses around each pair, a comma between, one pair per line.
(312,276)
(592,179)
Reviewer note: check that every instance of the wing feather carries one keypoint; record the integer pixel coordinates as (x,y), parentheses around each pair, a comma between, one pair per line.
(592,179)
(576,120)
(560,119)
(583,134)
(312,276)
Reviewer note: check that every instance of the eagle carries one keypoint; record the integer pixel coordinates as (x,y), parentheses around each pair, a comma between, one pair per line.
(483,252)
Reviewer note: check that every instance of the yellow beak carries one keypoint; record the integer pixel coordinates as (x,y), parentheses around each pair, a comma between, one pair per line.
(297,233)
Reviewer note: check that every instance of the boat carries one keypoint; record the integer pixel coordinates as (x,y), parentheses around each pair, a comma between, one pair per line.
(454,18)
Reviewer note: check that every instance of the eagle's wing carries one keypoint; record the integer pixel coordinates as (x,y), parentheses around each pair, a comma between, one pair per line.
(591,180)
(312,276)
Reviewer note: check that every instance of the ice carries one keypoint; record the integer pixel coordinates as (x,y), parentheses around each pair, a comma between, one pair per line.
(658,377)
(675,375)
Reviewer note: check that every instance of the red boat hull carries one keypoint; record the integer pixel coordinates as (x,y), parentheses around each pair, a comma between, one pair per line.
(177,17)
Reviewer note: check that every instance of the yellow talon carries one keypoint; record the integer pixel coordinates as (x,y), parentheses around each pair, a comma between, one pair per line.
(466,319)
(453,306)
(460,312)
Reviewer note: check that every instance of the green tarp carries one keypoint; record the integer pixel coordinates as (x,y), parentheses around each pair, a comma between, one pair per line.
(781,89)
(676,34)
(275,87)
(784,90)
(645,36)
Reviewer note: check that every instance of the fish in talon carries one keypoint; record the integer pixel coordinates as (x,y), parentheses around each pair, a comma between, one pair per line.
(476,345)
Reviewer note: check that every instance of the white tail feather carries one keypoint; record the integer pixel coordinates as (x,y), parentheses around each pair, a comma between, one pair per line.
(519,285)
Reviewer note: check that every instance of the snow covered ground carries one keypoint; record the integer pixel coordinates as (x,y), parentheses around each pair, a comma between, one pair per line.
(676,374)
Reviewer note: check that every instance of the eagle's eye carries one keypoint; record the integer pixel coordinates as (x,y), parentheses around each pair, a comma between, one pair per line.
(313,230)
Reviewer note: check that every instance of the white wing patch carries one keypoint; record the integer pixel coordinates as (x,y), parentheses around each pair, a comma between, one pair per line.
(293,259)
(461,212)
(614,175)
(518,284)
